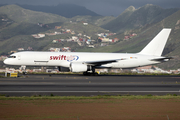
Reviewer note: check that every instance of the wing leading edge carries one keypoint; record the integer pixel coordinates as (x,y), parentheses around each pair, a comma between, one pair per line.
(102,62)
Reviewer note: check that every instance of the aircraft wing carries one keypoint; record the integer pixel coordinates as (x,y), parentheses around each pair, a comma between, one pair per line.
(102,62)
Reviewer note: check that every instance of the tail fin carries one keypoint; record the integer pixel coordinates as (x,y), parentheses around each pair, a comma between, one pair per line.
(156,46)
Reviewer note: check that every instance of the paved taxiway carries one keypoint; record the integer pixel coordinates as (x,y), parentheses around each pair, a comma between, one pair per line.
(79,85)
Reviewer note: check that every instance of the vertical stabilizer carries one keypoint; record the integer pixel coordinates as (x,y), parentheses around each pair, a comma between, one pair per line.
(156,46)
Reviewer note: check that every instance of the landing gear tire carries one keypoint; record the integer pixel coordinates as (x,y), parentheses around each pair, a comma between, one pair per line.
(90,74)
(24,73)
(96,74)
(85,73)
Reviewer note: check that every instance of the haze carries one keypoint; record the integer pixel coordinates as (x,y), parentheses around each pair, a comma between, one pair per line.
(102,7)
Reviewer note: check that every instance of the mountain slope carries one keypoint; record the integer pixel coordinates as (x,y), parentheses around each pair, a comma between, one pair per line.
(20,29)
(120,21)
(18,33)
(96,20)
(66,10)
(145,35)
(133,18)
(19,14)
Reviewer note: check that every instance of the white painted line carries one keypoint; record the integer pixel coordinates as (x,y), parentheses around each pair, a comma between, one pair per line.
(84,91)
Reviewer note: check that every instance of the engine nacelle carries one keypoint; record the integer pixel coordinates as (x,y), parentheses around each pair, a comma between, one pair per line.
(63,69)
(79,67)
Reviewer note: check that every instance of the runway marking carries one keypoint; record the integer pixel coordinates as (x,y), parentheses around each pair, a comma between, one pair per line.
(84,91)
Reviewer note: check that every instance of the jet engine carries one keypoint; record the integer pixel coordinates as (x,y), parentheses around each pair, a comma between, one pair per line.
(79,67)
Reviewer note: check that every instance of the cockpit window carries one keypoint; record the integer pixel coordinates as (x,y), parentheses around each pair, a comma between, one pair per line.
(12,56)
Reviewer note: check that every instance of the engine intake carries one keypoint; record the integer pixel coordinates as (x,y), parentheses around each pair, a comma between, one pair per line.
(79,67)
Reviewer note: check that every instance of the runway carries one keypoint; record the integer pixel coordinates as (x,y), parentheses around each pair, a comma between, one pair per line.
(79,85)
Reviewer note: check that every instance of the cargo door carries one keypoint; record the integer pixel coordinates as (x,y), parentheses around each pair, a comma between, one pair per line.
(41,59)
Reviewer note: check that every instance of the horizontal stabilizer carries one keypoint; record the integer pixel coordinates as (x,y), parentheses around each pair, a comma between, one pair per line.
(162,59)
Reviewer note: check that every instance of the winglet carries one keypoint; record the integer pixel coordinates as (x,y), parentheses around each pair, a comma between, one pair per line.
(156,46)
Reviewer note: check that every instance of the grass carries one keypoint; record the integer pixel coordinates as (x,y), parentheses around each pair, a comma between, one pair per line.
(1,76)
(52,97)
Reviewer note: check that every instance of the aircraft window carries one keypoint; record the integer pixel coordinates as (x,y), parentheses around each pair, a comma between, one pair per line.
(12,56)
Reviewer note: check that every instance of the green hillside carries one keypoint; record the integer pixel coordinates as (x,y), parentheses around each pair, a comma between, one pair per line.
(25,41)
(21,36)
(20,29)
(96,20)
(24,24)
(120,21)
(145,35)
(133,18)
(146,22)
(90,29)
(19,14)
(4,21)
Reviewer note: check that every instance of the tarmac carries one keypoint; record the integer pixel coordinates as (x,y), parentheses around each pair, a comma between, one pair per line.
(79,85)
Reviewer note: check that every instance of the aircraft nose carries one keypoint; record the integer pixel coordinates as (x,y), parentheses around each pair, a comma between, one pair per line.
(6,61)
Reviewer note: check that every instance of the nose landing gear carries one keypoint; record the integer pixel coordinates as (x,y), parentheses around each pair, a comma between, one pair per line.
(23,69)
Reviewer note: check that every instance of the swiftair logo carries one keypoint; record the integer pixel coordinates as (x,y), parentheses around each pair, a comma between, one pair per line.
(72,58)
(64,57)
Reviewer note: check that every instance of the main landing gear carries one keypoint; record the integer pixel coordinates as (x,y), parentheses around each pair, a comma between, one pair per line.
(91,73)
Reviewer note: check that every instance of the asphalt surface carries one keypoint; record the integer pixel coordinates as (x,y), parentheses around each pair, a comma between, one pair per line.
(78,85)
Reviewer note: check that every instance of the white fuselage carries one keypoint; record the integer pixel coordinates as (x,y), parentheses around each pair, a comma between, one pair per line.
(64,59)
(84,62)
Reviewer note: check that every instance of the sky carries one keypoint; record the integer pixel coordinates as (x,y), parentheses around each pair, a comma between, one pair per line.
(102,7)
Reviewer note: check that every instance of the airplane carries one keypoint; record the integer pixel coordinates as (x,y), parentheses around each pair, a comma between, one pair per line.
(87,62)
